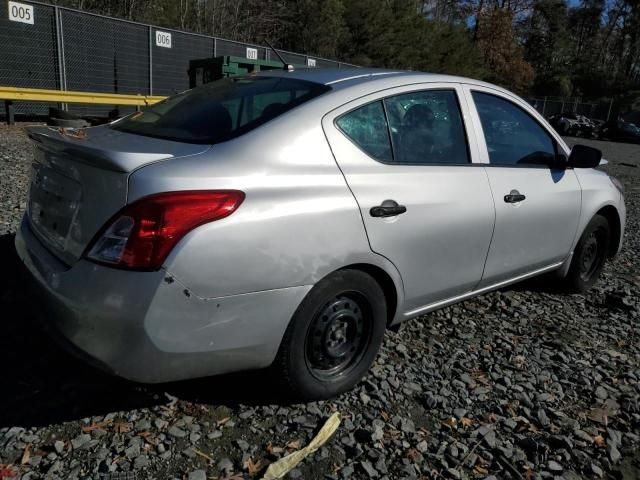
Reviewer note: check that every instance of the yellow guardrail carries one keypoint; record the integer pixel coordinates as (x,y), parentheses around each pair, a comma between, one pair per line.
(59,96)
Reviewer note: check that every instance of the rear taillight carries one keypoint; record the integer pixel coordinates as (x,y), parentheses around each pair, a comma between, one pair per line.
(142,234)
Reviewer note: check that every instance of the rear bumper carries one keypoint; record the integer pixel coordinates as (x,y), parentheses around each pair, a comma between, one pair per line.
(146,326)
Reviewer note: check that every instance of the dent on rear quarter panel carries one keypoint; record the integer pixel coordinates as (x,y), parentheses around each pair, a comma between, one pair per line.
(298,223)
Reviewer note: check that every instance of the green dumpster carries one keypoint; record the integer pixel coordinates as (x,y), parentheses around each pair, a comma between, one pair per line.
(207,70)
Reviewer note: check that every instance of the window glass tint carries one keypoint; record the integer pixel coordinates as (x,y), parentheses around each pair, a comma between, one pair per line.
(426,127)
(367,127)
(513,137)
(221,110)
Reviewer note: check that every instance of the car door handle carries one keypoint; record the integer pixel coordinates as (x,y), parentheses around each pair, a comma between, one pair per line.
(389,208)
(514,197)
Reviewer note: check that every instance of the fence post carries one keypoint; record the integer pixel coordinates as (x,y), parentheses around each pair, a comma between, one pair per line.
(150,60)
(609,111)
(215,46)
(62,71)
(544,105)
(9,108)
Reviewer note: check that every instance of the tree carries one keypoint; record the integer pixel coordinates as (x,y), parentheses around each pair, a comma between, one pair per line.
(502,54)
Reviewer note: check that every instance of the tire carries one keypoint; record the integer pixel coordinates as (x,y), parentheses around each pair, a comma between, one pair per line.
(589,255)
(333,336)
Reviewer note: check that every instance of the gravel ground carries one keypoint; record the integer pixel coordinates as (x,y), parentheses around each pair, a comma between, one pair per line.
(525,382)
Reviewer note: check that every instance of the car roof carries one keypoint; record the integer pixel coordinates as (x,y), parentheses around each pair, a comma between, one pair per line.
(350,76)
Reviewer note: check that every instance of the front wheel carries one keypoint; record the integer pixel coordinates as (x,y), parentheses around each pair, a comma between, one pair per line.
(333,337)
(589,256)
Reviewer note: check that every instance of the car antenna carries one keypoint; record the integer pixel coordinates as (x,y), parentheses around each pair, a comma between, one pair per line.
(285,66)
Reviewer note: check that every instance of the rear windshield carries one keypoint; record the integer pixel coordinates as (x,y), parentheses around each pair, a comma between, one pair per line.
(220,110)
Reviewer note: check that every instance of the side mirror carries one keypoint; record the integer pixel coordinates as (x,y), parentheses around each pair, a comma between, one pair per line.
(584,157)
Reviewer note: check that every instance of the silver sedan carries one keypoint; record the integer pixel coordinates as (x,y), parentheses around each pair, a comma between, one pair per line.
(286,219)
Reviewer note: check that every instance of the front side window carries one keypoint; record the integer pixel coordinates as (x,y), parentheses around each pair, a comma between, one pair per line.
(221,110)
(513,137)
(367,127)
(426,127)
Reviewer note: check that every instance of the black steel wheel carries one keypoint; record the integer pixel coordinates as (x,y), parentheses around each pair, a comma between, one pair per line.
(338,336)
(589,255)
(333,336)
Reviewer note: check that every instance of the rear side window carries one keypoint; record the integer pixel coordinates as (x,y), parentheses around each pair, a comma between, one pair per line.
(221,110)
(426,128)
(367,127)
(513,137)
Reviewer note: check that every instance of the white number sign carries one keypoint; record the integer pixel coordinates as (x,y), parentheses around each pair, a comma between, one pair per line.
(20,12)
(163,39)
(311,62)
(252,53)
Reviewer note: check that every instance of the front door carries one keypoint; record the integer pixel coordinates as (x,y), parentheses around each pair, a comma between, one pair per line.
(425,205)
(537,204)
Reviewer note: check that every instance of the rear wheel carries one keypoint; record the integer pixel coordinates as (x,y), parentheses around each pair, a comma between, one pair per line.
(590,255)
(333,337)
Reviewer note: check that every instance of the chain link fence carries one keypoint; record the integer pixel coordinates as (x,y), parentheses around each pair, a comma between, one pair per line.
(65,49)
(603,109)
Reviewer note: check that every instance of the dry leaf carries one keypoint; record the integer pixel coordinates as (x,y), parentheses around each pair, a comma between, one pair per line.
(412,454)
(251,467)
(283,466)
(480,471)
(451,422)
(466,422)
(599,441)
(122,427)
(271,450)
(490,417)
(294,445)
(26,455)
(96,426)
(223,421)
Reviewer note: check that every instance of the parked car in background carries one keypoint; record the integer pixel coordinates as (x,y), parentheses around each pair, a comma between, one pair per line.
(286,219)
(573,124)
(619,131)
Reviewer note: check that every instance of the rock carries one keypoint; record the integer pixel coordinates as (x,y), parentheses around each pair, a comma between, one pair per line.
(160,423)
(554,466)
(225,465)
(543,419)
(176,432)
(80,441)
(59,446)
(614,454)
(198,475)
(243,444)
(601,393)
(141,462)
(368,469)
(454,473)
(597,470)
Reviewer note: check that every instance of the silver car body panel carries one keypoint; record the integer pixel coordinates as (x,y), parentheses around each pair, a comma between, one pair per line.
(227,291)
(79,181)
(449,218)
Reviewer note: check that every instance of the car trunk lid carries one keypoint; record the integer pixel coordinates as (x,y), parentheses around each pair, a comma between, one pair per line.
(79,180)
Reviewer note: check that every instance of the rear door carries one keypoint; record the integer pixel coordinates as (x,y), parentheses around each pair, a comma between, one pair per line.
(537,206)
(426,206)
